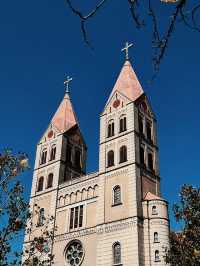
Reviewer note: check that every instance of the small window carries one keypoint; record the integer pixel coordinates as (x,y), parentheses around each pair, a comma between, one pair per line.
(141,127)
(157,256)
(116,253)
(44,157)
(78,158)
(110,159)
(53,153)
(142,160)
(41,217)
(156,239)
(116,195)
(111,129)
(123,154)
(149,131)
(69,155)
(122,124)
(40,184)
(150,161)
(50,180)
(76,217)
(154,210)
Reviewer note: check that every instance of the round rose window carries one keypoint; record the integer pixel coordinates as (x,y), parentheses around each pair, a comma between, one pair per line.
(74,253)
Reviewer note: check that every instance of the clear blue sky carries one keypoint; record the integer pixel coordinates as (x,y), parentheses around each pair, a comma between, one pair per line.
(40,40)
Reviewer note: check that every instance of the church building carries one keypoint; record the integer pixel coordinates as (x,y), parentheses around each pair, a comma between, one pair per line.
(115,216)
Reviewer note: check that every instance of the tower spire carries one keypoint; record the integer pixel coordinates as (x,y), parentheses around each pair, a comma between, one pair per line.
(67,80)
(125,49)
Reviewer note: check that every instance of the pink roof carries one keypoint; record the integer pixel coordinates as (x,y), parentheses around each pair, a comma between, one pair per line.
(128,83)
(151,196)
(64,118)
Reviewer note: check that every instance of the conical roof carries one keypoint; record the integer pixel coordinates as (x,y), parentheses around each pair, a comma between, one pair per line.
(128,83)
(64,118)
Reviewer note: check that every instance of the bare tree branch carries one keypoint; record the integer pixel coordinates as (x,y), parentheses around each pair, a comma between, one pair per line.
(133,5)
(159,43)
(162,45)
(84,18)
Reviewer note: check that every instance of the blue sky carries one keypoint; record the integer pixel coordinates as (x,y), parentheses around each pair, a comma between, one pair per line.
(41,40)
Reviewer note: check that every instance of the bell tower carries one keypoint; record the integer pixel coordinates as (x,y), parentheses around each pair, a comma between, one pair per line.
(60,159)
(129,174)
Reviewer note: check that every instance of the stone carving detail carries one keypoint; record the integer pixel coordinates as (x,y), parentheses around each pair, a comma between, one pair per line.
(123,140)
(47,198)
(79,195)
(78,186)
(117,173)
(100,229)
(160,222)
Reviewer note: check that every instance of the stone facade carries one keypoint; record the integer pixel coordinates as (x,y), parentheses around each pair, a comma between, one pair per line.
(115,216)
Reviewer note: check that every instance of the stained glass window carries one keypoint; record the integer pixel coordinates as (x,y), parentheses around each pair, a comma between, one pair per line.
(74,253)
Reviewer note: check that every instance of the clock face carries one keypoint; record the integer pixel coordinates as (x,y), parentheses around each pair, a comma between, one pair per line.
(50,134)
(116,103)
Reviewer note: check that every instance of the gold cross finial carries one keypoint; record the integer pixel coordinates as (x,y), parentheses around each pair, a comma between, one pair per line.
(67,80)
(127,46)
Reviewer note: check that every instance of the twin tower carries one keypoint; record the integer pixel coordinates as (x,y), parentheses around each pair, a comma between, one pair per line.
(113,217)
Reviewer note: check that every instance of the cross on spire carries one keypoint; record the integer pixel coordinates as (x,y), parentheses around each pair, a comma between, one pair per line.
(67,80)
(127,46)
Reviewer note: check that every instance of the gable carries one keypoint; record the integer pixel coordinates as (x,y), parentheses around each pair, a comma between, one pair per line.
(118,100)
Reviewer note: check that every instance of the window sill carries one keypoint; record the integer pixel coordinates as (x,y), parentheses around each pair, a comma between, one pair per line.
(157,261)
(118,264)
(108,137)
(123,162)
(154,214)
(110,166)
(156,242)
(114,205)
(120,132)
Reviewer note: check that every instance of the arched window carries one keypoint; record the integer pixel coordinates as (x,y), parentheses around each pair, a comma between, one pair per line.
(116,195)
(53,153)
(154,210)
(143,107)
(156,240)
(111,129)
(123,154)
(44,156)
(77,159)
(157,256)
(140,122)
(149,130)
(150,161)
(69,155)
(116,253)
(40,184)
(122,124)
(50,180)
(142,160)
(41,217)
(110,158)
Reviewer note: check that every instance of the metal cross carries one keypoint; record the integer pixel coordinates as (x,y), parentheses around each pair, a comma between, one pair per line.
(67,80)
(127,46)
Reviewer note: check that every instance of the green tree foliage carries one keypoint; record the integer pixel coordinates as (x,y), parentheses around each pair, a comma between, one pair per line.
(185,245)
(16,218)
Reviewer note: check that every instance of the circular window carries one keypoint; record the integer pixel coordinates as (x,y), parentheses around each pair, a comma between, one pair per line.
(74,253)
